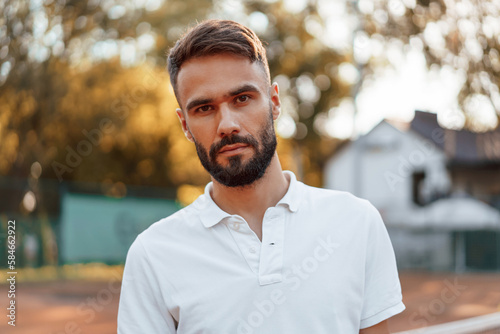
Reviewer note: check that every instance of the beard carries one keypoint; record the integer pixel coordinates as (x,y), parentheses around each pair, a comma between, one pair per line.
(237,173)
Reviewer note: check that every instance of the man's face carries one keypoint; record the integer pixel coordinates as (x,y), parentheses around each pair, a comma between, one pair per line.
(228,109)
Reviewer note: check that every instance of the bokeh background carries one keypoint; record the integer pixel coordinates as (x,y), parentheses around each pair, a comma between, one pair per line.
(395,101)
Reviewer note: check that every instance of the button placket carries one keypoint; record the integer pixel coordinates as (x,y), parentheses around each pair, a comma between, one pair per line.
(271,256)
(246,240)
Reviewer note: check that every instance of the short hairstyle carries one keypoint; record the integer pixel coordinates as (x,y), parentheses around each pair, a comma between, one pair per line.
(214,37)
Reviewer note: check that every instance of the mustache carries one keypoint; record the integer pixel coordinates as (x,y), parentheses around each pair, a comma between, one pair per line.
(229,140)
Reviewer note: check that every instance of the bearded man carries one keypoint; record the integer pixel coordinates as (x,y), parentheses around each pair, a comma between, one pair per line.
(259,251)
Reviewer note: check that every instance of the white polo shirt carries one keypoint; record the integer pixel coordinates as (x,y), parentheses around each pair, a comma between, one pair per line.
(325,265)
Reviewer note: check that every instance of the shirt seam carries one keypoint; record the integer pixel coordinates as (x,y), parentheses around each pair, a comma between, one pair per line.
(381,311)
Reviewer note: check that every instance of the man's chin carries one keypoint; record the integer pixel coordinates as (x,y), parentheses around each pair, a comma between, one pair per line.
(235,176)
(233,161)
(235,181)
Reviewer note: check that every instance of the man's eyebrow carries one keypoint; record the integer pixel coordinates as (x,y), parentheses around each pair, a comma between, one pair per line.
(244,88)
(197,102)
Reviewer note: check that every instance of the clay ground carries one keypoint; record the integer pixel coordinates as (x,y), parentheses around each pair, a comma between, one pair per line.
(72,307)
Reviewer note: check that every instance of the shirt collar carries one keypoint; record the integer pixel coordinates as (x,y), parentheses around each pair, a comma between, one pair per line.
(292,196)
(211,214)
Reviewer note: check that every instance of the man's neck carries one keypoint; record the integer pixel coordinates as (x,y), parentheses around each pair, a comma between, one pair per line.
(251,202)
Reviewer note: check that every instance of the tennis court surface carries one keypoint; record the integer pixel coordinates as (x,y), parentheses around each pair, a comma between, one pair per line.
(72,307)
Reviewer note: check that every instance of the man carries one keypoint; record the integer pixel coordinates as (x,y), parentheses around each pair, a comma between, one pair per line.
(259,252)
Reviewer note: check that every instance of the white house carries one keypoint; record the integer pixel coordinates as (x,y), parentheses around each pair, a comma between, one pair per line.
(420,189)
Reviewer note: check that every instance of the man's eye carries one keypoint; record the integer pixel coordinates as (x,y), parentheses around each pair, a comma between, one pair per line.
(242,98)
(203,109)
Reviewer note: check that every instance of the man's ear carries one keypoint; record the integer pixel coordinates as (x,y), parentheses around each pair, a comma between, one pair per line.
(275,100)
(185,128)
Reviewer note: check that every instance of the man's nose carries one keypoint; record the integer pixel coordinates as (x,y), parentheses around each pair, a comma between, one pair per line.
(228,121)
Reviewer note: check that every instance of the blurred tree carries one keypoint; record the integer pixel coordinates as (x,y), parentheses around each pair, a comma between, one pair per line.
(457,35)
(322,51)
(83,91)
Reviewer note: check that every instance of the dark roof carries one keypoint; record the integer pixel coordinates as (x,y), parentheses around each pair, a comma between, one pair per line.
(462,147)
(426,124)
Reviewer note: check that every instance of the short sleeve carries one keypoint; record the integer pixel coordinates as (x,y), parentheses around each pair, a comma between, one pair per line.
(141,308)
(382,296)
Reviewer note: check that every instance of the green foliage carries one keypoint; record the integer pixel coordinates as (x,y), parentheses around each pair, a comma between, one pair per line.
(83,88)
(84,92)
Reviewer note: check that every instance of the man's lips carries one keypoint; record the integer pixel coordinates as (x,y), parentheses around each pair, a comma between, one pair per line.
(234,148)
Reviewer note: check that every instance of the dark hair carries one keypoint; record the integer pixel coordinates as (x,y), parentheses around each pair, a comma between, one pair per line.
(214,37)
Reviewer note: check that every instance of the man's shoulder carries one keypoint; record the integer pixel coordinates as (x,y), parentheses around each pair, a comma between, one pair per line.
(179,221)
(339,210)
(335,197)
(329,202)
(168,235)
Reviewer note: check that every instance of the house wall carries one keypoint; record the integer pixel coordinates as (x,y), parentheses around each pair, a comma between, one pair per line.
(380,165)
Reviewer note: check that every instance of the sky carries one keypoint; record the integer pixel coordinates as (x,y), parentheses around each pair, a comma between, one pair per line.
(397,92)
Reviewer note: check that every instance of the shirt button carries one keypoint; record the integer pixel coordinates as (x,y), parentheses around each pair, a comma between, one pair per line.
(252,250)
(235,226)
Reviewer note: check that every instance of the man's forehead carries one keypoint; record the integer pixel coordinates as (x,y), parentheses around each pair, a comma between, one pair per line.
(218,62)
(217,75)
